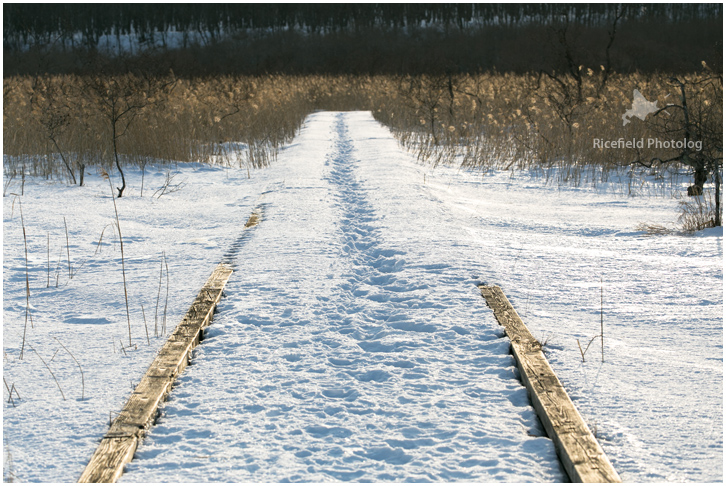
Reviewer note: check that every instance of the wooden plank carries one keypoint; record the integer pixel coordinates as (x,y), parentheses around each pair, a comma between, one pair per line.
(112,451)
(578,450)
(119,444)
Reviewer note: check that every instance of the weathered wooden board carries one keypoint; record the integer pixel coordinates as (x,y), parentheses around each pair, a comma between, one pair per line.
(109,459)
(119,444)
(578,450)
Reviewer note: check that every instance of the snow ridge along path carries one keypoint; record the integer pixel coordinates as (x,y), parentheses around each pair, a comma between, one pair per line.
(349,348)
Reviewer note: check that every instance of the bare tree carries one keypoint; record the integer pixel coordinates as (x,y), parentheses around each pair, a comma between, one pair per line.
(695,122)
(51,102)
(120,99)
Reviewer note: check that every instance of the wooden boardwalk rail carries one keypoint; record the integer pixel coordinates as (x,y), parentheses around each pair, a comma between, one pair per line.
(578,450)
(119,444)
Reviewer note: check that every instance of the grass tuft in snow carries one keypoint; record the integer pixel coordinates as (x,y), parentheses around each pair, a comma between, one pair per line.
(697,213)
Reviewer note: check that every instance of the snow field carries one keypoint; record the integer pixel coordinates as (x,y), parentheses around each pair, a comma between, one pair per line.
(656,403)
(87,313)
(353,343)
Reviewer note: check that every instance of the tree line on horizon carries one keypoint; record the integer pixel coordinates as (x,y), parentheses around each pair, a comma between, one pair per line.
(365,39)
(25,24)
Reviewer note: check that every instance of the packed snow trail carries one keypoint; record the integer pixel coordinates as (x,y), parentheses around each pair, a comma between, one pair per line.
(353,343)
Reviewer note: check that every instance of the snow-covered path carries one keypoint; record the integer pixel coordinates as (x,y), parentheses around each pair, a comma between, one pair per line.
(352,344)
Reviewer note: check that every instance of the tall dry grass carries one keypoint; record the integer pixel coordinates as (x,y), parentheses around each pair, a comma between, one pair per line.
(536,122)
(56,125)
(545,123)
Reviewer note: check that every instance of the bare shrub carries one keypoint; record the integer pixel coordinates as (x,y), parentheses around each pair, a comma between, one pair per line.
(169,186)
(698,213)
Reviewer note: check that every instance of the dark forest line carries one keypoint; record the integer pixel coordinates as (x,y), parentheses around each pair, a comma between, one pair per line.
(637,47)
(41,23)
(363,39)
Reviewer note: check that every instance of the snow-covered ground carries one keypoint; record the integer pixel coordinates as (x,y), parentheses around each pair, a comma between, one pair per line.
(353,343)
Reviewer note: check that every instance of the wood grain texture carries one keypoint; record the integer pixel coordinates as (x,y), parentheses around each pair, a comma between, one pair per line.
(103,467)
(578,450)
(119,444)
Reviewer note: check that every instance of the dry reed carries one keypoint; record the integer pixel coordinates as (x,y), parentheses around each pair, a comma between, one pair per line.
(83,381)
(544,123)
(123,262)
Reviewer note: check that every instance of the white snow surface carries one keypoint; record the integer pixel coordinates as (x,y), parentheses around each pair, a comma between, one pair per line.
(353,343)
